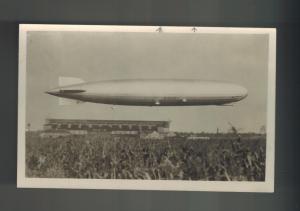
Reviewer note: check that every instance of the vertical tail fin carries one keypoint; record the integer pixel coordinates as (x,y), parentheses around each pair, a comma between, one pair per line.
(64,101)
(65,81)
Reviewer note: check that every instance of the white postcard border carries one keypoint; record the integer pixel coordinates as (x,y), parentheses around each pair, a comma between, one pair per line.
(174,185)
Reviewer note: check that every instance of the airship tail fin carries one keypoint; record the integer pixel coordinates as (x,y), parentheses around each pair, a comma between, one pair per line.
(65,101)
(65,81)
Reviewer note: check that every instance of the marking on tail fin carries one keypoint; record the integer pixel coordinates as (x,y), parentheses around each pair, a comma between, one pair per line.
(65,81)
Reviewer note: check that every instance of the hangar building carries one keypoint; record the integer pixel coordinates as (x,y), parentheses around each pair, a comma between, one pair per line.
(114,127)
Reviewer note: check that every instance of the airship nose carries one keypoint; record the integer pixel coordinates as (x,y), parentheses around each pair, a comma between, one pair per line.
(243,92)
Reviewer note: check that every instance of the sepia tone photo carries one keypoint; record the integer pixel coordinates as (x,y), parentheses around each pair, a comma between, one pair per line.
(146,108)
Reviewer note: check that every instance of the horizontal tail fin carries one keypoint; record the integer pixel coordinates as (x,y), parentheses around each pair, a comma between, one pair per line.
(65,81)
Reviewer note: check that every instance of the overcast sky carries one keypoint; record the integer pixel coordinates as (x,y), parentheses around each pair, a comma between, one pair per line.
(95,56)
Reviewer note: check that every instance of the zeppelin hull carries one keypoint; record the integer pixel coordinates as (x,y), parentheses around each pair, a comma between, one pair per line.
(155,101)
(154,92)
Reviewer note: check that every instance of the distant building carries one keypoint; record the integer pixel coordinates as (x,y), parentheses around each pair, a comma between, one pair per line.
(114,127)
(262,129)
(195,137)
(54,133)
(154,135)
(122,132)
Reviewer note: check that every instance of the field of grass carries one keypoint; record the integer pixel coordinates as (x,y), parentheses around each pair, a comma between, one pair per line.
(95,156)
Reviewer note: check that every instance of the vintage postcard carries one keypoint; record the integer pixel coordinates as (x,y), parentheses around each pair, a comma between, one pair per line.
(146,108)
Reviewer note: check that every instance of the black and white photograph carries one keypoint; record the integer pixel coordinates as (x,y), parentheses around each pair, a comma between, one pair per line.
(146,108)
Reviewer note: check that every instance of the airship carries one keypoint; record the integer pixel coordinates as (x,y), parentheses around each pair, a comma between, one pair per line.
(149,92)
